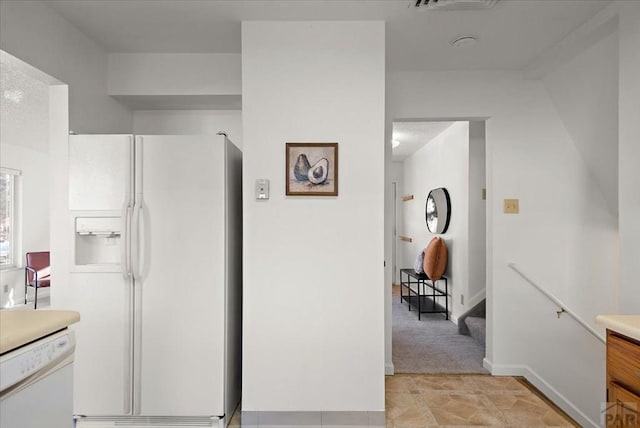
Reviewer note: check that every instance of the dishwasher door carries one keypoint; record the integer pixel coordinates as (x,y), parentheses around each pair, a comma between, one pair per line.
(37,384)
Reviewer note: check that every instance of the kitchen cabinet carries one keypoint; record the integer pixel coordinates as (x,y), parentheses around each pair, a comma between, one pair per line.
(623,380)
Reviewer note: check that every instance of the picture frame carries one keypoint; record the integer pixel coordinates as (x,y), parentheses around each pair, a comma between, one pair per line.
(311,169)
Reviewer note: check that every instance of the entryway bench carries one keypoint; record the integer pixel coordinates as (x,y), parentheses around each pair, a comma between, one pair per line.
(425,289)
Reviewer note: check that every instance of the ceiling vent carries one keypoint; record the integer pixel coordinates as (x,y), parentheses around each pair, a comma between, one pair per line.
(454,4)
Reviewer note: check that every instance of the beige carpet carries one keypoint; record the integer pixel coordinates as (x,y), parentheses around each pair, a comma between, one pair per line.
(431,345)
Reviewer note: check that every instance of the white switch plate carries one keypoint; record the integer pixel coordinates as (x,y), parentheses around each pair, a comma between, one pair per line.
(262,188)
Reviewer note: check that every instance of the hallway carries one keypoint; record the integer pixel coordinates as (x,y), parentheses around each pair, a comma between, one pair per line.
(431,345)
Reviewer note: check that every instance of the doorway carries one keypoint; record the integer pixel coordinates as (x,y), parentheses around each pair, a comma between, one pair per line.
(34,116)
(427,155)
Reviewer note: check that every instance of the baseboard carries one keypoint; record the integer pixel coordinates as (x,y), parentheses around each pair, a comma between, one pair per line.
(487,365)
(255,419)
(543,386)
(479,297)
(389,369)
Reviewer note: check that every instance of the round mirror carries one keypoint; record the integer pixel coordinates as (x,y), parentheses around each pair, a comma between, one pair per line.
(438,210)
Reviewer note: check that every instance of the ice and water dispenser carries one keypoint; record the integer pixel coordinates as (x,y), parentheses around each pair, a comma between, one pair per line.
(99,184)
(97,241)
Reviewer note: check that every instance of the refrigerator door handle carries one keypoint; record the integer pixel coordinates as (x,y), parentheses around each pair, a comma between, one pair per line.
(142,247)
(125,249)
(135,241)
(128,351)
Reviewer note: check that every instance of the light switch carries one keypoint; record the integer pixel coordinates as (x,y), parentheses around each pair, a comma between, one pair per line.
(262,188)
(511,206)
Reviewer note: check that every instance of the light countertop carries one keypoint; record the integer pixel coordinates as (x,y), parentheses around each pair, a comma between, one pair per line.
(19,327)
(628,325)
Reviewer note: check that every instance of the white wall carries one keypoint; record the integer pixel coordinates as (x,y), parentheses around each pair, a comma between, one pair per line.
(207,122)
(629,155)
(171,81)
(33,32)
(477,216)
(394,171)
(584,91)
(174,74)
(151,78)
(441,162)
(61,239)
(563,237)
(313,266)
(396,174)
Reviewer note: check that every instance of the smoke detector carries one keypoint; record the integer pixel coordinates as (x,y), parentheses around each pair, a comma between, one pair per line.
(453,4)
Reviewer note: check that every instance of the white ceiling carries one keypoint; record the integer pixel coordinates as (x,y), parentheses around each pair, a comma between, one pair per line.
(414,135)
(510,35)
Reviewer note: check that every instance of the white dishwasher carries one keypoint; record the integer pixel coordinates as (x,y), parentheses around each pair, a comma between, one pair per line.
(36,383)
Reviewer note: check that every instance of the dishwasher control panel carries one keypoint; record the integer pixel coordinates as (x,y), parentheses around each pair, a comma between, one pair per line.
(23,362)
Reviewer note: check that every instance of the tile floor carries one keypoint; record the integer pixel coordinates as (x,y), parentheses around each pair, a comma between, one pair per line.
(466,400)
(420,401)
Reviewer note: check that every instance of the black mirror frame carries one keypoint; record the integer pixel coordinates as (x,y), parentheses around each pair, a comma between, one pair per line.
(448,201)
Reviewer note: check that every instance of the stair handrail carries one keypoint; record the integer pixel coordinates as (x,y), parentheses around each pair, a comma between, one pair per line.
(563,308)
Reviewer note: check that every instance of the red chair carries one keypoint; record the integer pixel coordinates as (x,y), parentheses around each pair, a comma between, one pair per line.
(37,273)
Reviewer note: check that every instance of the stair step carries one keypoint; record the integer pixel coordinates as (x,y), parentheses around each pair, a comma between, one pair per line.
(477,328)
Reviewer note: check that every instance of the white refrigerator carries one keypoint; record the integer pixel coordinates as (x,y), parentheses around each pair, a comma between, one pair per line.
(156,274)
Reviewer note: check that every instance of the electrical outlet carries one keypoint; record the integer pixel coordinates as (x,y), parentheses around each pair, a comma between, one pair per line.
(462,299)
(511,206)
(484,194)
(5,288)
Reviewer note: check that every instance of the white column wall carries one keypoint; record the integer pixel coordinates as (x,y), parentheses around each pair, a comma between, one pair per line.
(396,174)
(60,238)
(476,290)
(313,266)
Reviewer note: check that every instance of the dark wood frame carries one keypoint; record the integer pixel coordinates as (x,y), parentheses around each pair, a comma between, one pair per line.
(333,170)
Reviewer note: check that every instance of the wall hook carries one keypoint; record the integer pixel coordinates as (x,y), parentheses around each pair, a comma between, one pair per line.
(560,312)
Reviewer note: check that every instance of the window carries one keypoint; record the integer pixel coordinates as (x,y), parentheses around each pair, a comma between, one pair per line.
(8,216)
